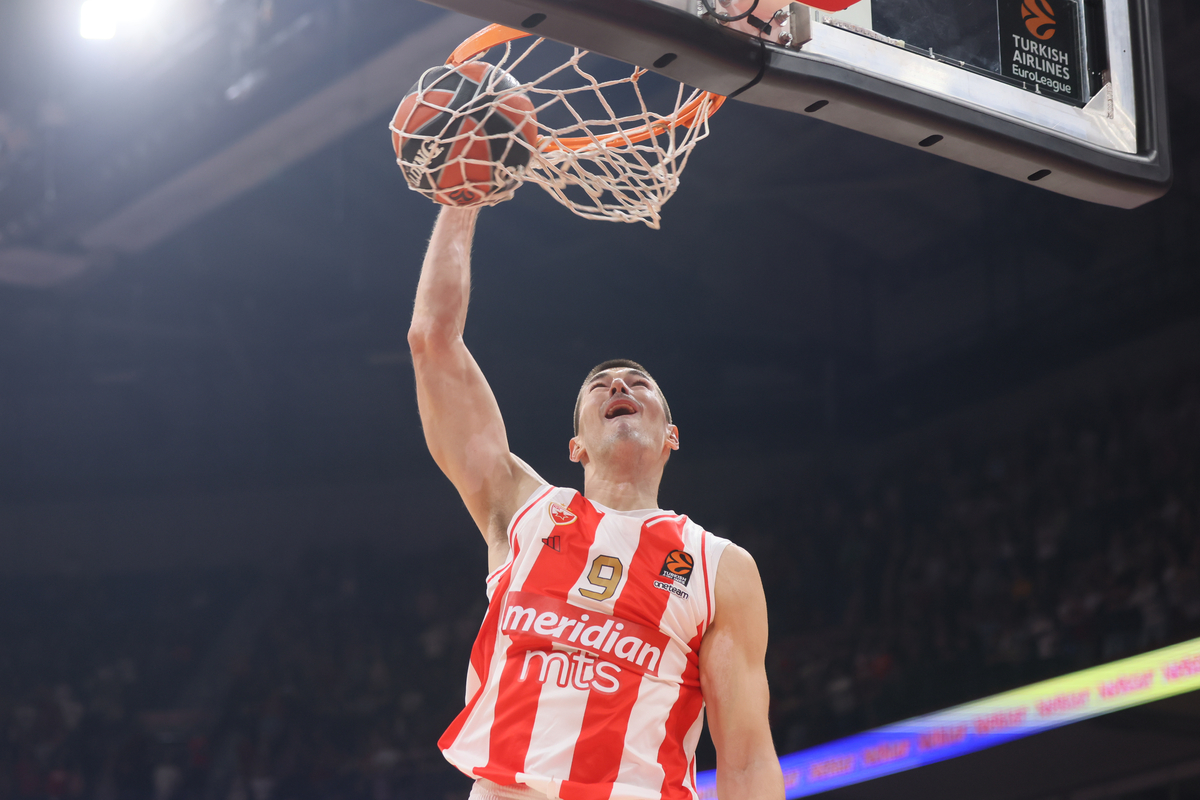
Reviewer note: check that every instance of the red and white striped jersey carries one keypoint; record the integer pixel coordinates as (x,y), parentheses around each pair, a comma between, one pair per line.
(585,678)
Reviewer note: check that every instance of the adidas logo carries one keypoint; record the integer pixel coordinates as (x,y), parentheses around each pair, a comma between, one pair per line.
(553,542)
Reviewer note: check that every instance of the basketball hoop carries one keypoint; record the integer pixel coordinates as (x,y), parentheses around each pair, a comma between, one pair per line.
(601,150)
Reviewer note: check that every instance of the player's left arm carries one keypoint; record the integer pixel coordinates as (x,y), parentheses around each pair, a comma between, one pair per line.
(733,678)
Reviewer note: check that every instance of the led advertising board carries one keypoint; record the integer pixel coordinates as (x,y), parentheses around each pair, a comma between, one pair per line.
(986,723)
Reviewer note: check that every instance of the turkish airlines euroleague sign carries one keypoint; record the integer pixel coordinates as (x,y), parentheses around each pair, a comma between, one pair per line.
(1040,46)
(534,620)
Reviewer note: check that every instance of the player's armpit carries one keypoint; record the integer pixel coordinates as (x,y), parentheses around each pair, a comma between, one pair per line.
(459,414)
(733,679)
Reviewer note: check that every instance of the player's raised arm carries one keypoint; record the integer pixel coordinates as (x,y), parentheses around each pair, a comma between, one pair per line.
(733,679)
(462,422)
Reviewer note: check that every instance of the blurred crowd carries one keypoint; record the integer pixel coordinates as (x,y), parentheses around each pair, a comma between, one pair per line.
(962,570)
(88,665)
(353,680)
(957,571)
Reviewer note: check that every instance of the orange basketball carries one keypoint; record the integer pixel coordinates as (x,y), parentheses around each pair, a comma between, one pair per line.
(456,126)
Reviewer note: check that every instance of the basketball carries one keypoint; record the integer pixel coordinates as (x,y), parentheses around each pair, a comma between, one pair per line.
(455,133)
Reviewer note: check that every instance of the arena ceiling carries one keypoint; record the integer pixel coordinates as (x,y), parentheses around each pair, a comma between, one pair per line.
(207,261)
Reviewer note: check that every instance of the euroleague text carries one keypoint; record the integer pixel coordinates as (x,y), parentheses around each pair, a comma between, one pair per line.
(535,621)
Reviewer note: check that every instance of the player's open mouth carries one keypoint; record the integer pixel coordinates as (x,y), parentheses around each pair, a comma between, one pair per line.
(620,407)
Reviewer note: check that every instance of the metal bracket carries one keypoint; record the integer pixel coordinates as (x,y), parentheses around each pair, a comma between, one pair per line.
(799,26)
(791,26)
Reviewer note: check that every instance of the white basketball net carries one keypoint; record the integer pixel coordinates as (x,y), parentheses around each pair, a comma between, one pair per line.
(597,167)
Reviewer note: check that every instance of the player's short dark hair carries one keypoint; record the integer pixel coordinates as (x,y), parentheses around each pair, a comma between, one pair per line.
(618,363)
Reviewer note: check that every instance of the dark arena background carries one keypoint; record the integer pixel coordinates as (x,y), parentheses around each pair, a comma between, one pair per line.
(955,418)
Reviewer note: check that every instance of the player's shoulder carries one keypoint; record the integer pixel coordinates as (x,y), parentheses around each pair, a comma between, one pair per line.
(739,603)
(714,544)
(735,558)
(719,550)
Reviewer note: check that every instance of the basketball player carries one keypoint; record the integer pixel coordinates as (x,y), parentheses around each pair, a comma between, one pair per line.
(611,623)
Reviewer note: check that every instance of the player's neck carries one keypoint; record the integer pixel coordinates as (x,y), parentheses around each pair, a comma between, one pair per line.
(621,492)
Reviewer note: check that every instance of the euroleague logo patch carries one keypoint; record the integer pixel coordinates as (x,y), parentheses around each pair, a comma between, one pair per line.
(678,566)
(1039,18)
(561,515)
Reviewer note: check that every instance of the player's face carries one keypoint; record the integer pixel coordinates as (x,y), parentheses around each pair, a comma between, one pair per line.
(622,405)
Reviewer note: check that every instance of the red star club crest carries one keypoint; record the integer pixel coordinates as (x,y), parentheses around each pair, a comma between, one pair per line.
(561,514)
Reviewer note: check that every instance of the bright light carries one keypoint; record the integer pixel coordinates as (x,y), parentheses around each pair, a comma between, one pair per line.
(98,19)
(135,14)
(103,19)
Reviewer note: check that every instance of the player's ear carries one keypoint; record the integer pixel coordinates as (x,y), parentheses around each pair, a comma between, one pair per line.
(673,437)
(576,450)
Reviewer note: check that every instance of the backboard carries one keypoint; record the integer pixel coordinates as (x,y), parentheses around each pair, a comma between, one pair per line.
(1067,95)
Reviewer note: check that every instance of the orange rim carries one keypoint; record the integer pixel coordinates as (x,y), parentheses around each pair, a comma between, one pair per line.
(482,41)
(493,35)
